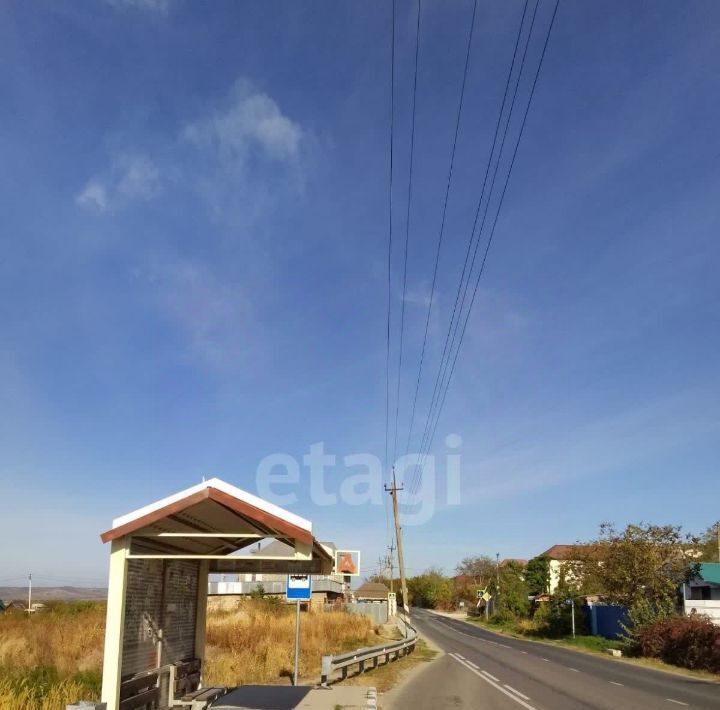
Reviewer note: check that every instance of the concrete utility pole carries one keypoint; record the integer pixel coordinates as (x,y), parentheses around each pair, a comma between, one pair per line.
(393,490)
(391,560)
(30,593)
(497,574)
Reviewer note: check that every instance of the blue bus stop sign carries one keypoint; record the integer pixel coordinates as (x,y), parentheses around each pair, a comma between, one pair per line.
(298,588)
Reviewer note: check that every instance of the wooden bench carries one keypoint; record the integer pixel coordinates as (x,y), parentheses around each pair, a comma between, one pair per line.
(140,691)
(185,680)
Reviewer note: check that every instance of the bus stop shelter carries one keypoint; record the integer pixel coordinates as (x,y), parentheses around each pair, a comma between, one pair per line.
(160,559)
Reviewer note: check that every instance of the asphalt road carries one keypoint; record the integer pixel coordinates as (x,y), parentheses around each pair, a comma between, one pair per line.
(481,669)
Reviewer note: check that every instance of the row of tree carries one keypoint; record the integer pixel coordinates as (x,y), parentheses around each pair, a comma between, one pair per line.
(642,567)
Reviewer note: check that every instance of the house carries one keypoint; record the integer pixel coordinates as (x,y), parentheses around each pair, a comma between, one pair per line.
(560,559)
(226,591)
(371,592)
(701,595)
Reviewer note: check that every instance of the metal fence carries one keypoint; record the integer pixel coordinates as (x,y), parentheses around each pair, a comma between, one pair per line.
(372,654)
(377,611)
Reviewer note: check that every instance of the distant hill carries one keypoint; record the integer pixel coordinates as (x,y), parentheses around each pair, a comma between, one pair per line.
(65,594)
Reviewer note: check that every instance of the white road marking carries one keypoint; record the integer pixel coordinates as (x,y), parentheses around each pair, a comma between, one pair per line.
(614,683)
(459,656)
(518,700)
(517,692)
(574,670)
(504,645)
(677,702)
(524,652)
(473,664)
(546,659)
(491,676)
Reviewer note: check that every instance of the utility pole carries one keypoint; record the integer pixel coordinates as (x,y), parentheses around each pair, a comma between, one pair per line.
(391,561)
(393,490)
(497,575)
(30,593)
(717,527)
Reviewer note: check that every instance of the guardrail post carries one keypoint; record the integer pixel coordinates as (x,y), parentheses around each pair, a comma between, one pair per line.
(325,670)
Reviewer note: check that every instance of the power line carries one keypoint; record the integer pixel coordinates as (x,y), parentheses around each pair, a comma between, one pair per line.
(442,222)
(498,123)
(497,214)
(407,231)
(389,260)
(460,301)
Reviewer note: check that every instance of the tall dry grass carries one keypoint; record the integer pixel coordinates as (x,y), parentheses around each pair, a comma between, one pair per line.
(52,658)
(255,644)
(55,657)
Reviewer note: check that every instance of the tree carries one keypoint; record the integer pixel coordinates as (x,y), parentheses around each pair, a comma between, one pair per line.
(640,567)
(431,590)
(710,544)
(513,590)
(537,575)
(473,573)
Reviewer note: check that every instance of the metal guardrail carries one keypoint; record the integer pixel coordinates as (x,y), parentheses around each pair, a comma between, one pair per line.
(331,664)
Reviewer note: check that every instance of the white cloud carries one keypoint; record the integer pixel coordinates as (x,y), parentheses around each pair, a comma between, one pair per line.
(138,178)
(212,312)
(93,196)
(240,158)
(131,177)
(600,446)
(152,5)
(252,120)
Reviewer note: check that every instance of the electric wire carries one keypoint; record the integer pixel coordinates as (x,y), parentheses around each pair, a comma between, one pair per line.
(407,231)
(497,214)
(460,301)
(442,222)
(389,259)
(423,441)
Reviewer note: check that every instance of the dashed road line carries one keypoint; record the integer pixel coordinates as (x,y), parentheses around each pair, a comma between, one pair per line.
(491,676)
(495,685)
(504,645)
(546,659)
(473,664)
(677,702)
(517,692)
(574,670)
(612,682)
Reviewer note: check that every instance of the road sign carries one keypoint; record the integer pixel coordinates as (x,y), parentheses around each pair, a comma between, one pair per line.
(486,597)
(298,587)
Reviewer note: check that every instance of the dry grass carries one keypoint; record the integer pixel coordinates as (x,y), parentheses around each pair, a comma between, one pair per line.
(388,675)
(55,657)
(256,643)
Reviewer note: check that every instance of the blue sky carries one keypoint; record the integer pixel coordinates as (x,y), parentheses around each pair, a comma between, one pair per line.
(193,215)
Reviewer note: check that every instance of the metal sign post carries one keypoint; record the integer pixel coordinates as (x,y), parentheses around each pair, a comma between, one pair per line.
(297,642)
(298,589)
(571,602)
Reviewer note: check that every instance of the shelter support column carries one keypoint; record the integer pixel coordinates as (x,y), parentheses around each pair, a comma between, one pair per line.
(115,622)
(201,613)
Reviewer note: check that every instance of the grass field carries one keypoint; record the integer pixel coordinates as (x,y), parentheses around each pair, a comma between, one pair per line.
(55,657)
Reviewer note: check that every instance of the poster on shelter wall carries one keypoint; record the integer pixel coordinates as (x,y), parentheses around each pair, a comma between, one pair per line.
(347,562)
